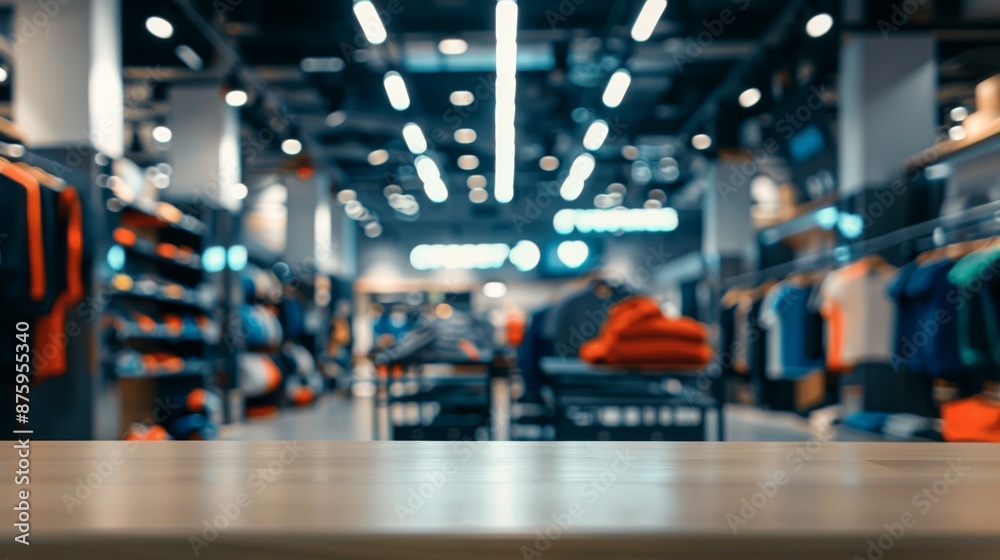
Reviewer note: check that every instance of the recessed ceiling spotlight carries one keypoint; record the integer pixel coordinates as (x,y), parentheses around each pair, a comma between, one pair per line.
(336,118)
(548,163)
(378,157)
(478,196)
(957,133)
(959,114)
(468,162)
(461,98)
(476,182)
(236,98)
(159,27)
(453,46)
(819,25)
(162,134)
(701,141)
(240,191)
(465,136)
(291,146)
(630,152)
(749,97)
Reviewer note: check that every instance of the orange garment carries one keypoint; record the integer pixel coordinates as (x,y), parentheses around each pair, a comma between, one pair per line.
(653,351)
(637,334)
(50,326)
(973,419)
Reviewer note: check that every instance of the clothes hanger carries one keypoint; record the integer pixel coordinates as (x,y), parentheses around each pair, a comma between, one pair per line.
(44,178)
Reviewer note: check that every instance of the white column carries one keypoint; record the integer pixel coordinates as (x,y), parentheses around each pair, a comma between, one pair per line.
(205,148)
(888,105)
(68,79)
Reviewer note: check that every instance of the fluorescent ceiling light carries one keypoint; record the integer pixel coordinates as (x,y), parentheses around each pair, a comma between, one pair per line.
(819,25)
(648,17)
(465,136)
(395,88)
(749,97)
(506,87)
(436,190)
(595,136)
(370,23)
(461,98)
(468,256)
(617,86)
(453,46)
(236,98)
(582,166)
(657,219)
(160,27)
(414,138)
(291,146)
(579,172)
(427,170)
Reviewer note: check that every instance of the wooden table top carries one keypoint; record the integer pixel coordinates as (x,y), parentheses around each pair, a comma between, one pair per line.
(319,499)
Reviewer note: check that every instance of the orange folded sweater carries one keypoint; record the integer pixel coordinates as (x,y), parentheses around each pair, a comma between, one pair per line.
(636,333)
(973,419)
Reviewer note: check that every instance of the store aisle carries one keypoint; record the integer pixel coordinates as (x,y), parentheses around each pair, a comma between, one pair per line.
(334,417)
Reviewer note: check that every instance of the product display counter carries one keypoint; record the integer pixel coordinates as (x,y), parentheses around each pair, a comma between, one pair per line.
(316,499)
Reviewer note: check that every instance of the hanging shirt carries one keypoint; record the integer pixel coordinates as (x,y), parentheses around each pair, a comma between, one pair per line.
(859,315)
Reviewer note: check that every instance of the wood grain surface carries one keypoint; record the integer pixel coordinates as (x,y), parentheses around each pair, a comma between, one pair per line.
(508,500)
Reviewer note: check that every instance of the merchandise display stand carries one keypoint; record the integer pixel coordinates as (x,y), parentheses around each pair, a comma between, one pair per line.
(626,404)
(452,407)
(161,332)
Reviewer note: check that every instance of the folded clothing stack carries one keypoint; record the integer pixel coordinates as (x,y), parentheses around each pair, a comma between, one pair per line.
(636,333)
(972,419)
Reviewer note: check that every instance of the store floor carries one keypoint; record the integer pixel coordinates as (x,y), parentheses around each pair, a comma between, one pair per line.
(339,417)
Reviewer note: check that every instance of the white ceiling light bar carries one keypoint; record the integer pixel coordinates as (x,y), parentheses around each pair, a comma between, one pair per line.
(649,16)
(579,172)
(370,23)
(617,86)
(414,138)
(430,175)
(395,88)
(595,136)
(506,56)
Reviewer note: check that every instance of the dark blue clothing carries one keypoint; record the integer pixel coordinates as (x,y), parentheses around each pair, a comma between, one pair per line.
(791,306)
(532,349)
(936,329)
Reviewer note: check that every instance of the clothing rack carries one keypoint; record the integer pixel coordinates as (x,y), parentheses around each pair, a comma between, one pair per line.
(930,230)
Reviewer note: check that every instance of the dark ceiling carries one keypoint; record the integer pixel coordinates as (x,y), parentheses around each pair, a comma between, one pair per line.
(570,47)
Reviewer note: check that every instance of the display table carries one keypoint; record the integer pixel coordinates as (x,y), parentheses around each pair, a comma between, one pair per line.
(508,500)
